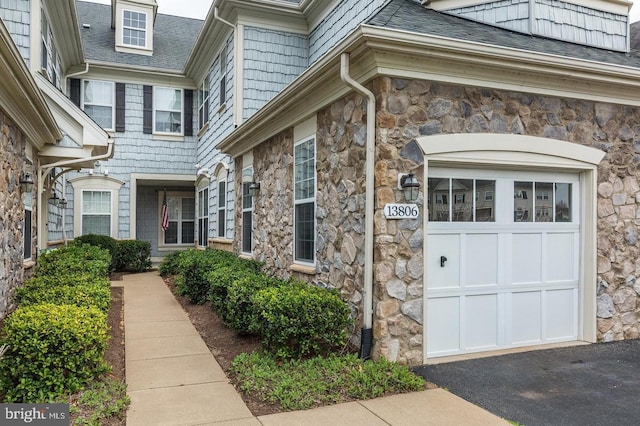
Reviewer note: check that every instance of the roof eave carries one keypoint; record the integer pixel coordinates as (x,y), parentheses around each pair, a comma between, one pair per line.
(63,18)
(594,80)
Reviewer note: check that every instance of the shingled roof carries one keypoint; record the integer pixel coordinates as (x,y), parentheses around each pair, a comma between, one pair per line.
(410,16)
(173,38)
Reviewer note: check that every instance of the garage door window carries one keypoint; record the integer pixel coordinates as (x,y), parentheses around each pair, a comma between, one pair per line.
(473,200)
(541,202)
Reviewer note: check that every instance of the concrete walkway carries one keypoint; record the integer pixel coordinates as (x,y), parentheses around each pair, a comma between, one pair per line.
(174,380)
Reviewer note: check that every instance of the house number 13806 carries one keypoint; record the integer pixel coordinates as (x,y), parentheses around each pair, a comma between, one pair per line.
(401,211)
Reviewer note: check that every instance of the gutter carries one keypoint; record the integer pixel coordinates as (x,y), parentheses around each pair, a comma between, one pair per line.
(44,171)
(366,338)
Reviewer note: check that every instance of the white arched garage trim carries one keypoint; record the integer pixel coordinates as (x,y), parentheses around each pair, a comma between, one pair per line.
(519,152)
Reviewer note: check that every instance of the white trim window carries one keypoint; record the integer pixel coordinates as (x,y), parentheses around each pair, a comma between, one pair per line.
(45,53)
(134,28)
(222,208)
(247,211)
(203,102)
(222,59)
(304,201)
(167,110)
(203,215)
(182,214)
(27,231)
(98,100)
(96,212)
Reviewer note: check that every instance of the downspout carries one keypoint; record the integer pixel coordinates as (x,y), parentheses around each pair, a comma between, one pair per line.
(366,339)
(43,173)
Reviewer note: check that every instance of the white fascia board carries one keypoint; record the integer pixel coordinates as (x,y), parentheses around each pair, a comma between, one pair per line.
(63,19)
(72,119)
(138,75)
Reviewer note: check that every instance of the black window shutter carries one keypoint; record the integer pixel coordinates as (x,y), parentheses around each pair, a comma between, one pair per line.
(120,106)
(147,118)
(188,112)
(74,91)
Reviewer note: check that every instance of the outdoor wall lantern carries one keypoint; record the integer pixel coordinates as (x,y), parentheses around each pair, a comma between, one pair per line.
(26,183)
(410,186)
(54,199)
(63,203)
(254,189)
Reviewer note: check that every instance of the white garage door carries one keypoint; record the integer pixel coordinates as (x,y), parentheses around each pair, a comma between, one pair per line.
(503,260)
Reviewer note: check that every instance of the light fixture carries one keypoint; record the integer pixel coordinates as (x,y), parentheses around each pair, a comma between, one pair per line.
(54,199)
(254,189)
(410,186)
(63,203)
(26,183)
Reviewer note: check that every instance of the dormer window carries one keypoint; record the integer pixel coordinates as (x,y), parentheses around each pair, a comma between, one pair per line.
(134,28)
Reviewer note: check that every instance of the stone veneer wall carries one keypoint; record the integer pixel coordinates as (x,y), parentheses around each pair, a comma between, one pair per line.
(12,147)
(408,109)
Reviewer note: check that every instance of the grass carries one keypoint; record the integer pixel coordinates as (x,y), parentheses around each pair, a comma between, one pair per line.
(99,401)
(302,384)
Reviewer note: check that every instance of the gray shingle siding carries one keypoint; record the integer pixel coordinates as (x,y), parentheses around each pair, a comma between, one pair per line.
(173,38)
(338,24)
(16,17)
(555,19)
(272,59)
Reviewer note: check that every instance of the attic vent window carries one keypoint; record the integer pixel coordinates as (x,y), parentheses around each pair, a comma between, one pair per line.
(134,29)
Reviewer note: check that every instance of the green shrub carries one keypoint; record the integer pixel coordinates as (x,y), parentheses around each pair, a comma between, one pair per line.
(53,350)
(132,256)
(220,279)
(240,308)
(102,241)
(170,264)
(94,294)
(73,279)
(299,320)
(76,259)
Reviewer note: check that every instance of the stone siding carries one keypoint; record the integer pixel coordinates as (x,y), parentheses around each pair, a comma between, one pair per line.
(408,109)
(12,147)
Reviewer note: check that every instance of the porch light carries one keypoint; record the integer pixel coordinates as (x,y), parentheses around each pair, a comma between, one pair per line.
(254,189)
(63,203)
(26,183)
(410,186)
(54,200)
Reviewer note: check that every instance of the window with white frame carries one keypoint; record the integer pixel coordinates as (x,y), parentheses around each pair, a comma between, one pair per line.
(46,41)
(167,110)
(134,28)
(203,214)
(27,231)
(247,210)
(203,102)
(222,59)
(222,208)
(97,102)
(181,230)
(304,201)
(96,212)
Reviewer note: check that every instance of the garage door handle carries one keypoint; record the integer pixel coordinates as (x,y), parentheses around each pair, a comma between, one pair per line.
(443,260)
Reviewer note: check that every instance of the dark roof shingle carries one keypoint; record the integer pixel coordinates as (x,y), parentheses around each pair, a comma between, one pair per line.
(410,16)
(173,39)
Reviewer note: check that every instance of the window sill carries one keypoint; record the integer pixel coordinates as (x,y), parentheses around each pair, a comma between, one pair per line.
(167,137)
(245,256)
(222,108)
(203,130)
(303,269)
(220,241)
(175,247)
(28,264)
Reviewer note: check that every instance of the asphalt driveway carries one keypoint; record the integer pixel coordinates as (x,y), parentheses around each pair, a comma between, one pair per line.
(595,384)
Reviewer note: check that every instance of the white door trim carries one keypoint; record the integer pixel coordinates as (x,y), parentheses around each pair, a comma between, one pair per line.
(535,153)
